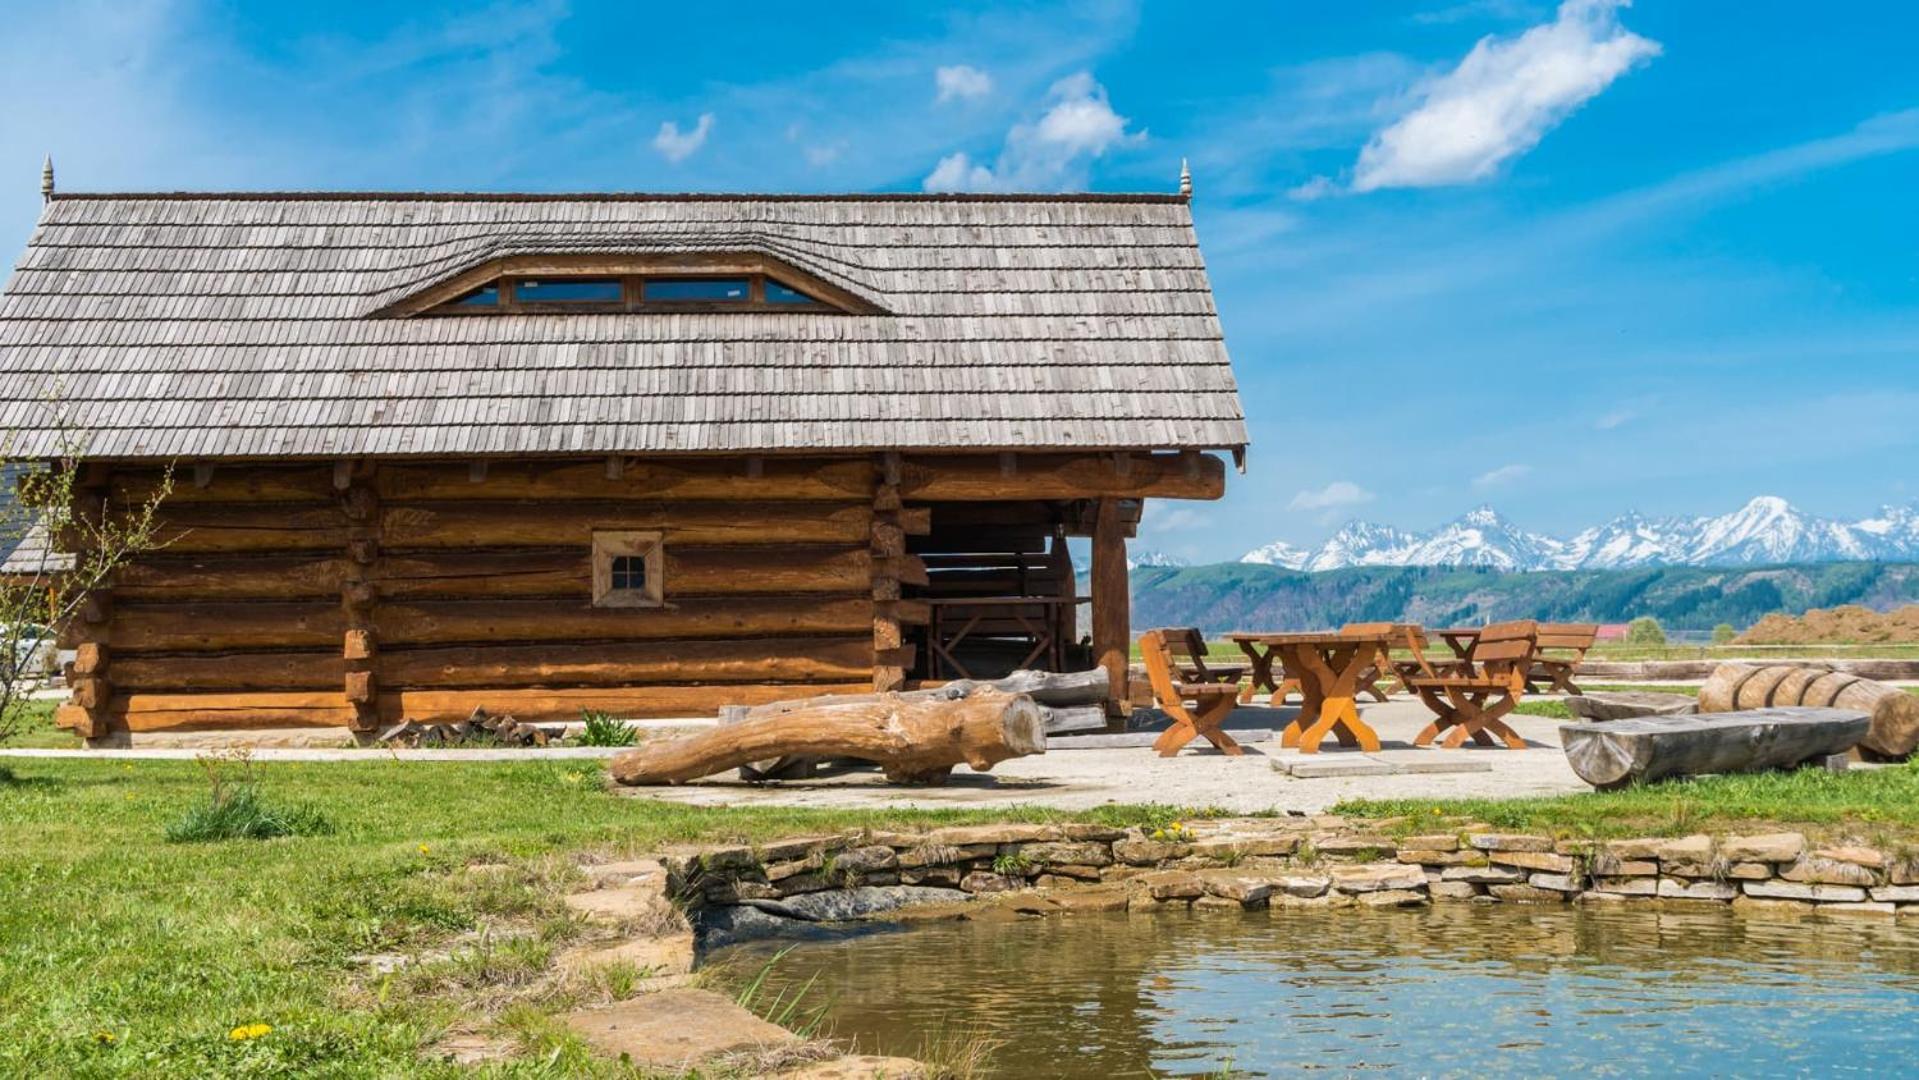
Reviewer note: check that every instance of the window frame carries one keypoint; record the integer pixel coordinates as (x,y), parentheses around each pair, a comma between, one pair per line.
(649,545)
(633,296)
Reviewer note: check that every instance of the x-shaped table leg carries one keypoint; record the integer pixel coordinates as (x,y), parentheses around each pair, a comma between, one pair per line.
(1186,726)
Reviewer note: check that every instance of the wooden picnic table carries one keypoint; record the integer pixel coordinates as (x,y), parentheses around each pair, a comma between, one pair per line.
(1459,639)
(1327,665)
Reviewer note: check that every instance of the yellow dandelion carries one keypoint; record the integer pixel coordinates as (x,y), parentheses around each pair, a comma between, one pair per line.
(105,1037)
(248,1031)
(424,849)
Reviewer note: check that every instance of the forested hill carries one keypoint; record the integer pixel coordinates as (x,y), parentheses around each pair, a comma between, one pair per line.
(1228,596)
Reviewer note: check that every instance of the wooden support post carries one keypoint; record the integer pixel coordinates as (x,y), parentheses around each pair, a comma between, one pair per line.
(91,688)
(1061,561)
(358,595)
(1112,606)
(888,546)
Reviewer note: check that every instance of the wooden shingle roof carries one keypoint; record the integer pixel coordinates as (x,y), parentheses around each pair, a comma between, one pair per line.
(207,326)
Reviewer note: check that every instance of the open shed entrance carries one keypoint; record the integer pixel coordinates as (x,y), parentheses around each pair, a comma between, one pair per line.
(1000,591)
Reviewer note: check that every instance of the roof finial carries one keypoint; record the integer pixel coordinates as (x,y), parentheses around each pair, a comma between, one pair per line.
(46,180)
(1185,179)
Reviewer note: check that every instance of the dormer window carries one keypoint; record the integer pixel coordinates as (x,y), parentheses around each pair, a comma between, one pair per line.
(670,290)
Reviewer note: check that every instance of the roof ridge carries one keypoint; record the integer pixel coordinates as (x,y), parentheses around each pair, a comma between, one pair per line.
(625,196)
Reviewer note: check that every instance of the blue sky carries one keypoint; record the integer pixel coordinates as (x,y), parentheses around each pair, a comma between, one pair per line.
(1567,259)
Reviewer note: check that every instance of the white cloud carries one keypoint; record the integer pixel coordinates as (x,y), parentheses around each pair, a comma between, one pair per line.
(1319,187)
(1049,154)
(1502,99)
(676,146)
(1337,495)
(1500,477)
(1613,419)
(1162,515)
(961,82)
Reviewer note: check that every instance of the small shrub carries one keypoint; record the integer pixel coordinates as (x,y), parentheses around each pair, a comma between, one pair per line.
(1723,634)
(1011,864)
(604,730)
(1645,630)
(240,813)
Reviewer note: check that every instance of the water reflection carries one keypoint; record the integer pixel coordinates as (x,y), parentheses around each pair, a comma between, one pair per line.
(1455,990)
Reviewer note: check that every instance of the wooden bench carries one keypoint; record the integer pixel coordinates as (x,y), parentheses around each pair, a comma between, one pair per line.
(1175,661)
(1469,698)
(1554,669)
(1385,668)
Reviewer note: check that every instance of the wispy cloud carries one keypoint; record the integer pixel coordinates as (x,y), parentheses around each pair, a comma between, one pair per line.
(961,82)
(1338,495)
(1503,476)
(1047,154)
(1502,99)
(675,145)
(1616,418)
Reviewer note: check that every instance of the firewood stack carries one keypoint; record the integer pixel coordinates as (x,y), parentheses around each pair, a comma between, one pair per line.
(479,729)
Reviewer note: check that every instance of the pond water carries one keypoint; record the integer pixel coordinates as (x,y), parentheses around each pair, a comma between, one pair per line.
(1458,989)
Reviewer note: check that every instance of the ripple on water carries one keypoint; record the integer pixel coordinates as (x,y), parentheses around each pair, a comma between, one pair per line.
(1450,991)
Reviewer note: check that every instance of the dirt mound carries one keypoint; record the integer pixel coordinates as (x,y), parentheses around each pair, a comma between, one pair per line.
(1832,626)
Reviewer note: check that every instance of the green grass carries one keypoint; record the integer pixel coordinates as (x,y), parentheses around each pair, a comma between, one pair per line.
(1879,806)
(37,730)
(122,954)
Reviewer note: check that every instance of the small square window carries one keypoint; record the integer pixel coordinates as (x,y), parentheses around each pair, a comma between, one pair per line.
(627,570)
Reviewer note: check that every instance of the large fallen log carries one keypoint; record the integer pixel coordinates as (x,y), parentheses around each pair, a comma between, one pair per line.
(1621,752)
(912,739)
(1894,732)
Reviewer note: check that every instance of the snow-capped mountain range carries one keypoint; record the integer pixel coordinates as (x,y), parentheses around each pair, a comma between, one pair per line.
(1766,530)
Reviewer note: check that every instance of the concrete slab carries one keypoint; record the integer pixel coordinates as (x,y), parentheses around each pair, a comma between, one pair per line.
(1317,766)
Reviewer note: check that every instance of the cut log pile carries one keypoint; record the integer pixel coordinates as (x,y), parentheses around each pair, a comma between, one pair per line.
(477,729)
(914,737)
(1894,732)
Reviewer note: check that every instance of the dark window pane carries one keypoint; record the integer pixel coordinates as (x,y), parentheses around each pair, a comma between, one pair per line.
(701,289)
(629,572)
(484,296)
(777,293)
(568,291)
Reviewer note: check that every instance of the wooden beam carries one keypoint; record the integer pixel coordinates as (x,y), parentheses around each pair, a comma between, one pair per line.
(1112,604)
(1056,477)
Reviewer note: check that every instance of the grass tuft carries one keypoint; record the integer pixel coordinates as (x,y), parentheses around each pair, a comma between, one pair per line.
(604,730)
(242,814)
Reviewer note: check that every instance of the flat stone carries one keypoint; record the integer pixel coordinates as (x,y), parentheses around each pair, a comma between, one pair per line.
(837,905)
(985,881)
(1149,852)
(801,847)
(1067,872)
(859,1067)
(1635,849)
(1534,860)
(1820,871)
(631,903)
(1079,900)
(1769,848)
(936,854)
(723,891)
(623,873)
(779,871)
(1557,882)
(866,860)
(1595,897)
(1318,768)
(1484,875)
(803,883)
(1430,842)
(1354,845)
(1903,872)
(1793,890)
(1246,889)
(1510,842)
(1607,864)
(947,877)
(674,1030)
(1750,905)
(1452,890)
(1688,849)
(1858,856)
(1377,876)
(1870,907)
(1695,890)
(1625,704)
(1170,885)
(1627,886)
(1068,853)
(665,954)
(1393,898)
(1301,886)
(1220,902)
(1442,858)
(1749,871)
(1712,870)
(1526,894)
(1896,894)
(1104,834)
(961,835)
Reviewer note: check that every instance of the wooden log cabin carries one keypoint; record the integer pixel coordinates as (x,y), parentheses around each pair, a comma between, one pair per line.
(647,454)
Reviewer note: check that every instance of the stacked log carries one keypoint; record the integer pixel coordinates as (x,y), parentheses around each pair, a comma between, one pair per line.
(1894,731)
(1644,748)
(914,741)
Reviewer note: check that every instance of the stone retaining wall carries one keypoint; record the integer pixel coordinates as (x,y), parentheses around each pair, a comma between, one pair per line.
(1310,861)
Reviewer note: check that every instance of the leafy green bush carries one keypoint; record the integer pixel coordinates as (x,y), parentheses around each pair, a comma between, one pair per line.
(239,813)
(1723,634)
(1645,630)
(604,730)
